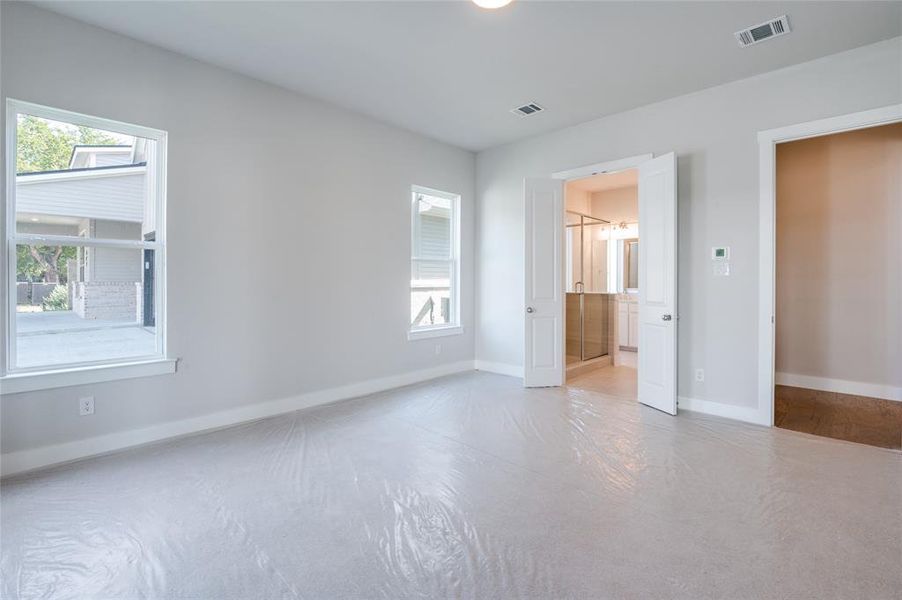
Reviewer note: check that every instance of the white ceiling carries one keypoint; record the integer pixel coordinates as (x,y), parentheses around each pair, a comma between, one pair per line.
(452,71)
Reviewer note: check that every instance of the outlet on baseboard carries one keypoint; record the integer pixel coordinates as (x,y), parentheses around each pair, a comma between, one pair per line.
(438,348)
(86,406)
(700,375)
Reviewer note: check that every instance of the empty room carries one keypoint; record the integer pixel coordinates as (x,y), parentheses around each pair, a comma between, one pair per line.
(450,299)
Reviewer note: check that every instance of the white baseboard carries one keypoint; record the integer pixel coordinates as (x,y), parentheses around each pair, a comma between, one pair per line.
(841,386)
(37,458)
(500,368)
(718,409)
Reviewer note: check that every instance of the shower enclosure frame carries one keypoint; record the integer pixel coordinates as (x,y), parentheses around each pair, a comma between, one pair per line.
(579,286)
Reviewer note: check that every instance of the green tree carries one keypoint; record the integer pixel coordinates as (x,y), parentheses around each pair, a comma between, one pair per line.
(43,263)
(93,137)
(41,147)
(58,299)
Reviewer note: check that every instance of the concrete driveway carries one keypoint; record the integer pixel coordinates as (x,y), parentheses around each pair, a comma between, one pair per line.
(62,337)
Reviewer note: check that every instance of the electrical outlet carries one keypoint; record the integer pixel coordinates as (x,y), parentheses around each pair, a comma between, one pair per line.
(438,348)
(86,406)
(700,375)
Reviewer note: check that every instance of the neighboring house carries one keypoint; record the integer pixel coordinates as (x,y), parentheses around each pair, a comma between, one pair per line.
(431,279)
(101,194)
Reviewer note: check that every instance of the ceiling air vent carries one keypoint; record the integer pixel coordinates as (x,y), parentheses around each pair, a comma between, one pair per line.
(527,109)
(764,31)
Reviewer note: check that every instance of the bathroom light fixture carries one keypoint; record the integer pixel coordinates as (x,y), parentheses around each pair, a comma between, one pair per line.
(491,4)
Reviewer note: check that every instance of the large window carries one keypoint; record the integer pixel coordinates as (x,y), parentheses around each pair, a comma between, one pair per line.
(434,263)
(86,245)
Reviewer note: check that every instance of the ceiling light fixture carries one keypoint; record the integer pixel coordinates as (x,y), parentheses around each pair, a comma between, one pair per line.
(491,4)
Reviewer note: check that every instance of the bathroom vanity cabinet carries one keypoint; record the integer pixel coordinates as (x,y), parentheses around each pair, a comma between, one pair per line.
(627,322)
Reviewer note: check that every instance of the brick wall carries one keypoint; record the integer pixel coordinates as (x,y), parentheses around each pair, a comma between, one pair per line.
(108,300)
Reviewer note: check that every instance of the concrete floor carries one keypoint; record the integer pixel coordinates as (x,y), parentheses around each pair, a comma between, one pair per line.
(470,487)
(62,337)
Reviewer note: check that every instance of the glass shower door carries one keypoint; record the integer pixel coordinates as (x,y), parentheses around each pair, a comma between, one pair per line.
(587,281)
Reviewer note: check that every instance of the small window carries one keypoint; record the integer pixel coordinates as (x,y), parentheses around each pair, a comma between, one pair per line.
(87,228)
(435,263)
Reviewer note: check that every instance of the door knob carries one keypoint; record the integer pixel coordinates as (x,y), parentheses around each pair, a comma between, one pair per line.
(530,309)
(666,317)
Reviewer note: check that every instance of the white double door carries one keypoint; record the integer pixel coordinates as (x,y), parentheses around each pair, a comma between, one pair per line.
(544,306)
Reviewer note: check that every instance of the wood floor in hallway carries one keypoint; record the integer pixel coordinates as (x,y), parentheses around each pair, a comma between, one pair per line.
(858,419)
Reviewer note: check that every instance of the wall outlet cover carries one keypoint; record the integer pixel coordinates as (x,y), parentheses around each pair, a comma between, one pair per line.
(722,269)
(86,406)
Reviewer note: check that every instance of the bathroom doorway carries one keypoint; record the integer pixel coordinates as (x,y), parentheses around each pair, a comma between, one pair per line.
(656,318)
(601,274)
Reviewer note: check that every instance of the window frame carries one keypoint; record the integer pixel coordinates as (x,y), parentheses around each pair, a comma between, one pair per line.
(454,326)
(17,379)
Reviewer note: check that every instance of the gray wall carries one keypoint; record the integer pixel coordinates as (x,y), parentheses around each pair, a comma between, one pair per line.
(260,182)
(713,133)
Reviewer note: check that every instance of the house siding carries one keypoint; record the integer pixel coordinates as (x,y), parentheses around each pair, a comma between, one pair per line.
(105,159)
(115,264)
(112,197)
(435,241)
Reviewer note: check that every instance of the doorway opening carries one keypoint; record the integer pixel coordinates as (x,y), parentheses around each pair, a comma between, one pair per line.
(601,282)
(544,357)
(838,285)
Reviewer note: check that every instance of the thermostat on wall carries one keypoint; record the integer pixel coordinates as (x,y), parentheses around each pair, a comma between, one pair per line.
(720,253)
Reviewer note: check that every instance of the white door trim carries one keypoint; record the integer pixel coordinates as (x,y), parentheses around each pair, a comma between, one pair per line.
(767,142)
(611,166)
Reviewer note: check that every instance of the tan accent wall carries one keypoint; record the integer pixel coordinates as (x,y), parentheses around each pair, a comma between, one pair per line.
(617,205)
(839,256)
(576,199)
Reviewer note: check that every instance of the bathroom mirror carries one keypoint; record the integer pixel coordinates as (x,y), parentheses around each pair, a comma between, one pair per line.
(631,265)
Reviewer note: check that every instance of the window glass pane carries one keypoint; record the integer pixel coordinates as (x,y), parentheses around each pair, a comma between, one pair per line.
(430,293)
(81,181)
(433,227)
(83,304)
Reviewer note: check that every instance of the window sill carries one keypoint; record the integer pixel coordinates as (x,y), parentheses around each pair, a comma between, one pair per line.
(45,380)
(434,332)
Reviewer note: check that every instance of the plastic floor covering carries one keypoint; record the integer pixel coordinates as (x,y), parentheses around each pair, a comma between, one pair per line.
(467,487)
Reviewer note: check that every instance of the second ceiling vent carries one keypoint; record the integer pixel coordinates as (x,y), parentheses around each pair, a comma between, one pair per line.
(527,109)
(764,31)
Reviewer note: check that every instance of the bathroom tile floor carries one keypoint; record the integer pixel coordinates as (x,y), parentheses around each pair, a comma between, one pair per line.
(609,381)
(858,419)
